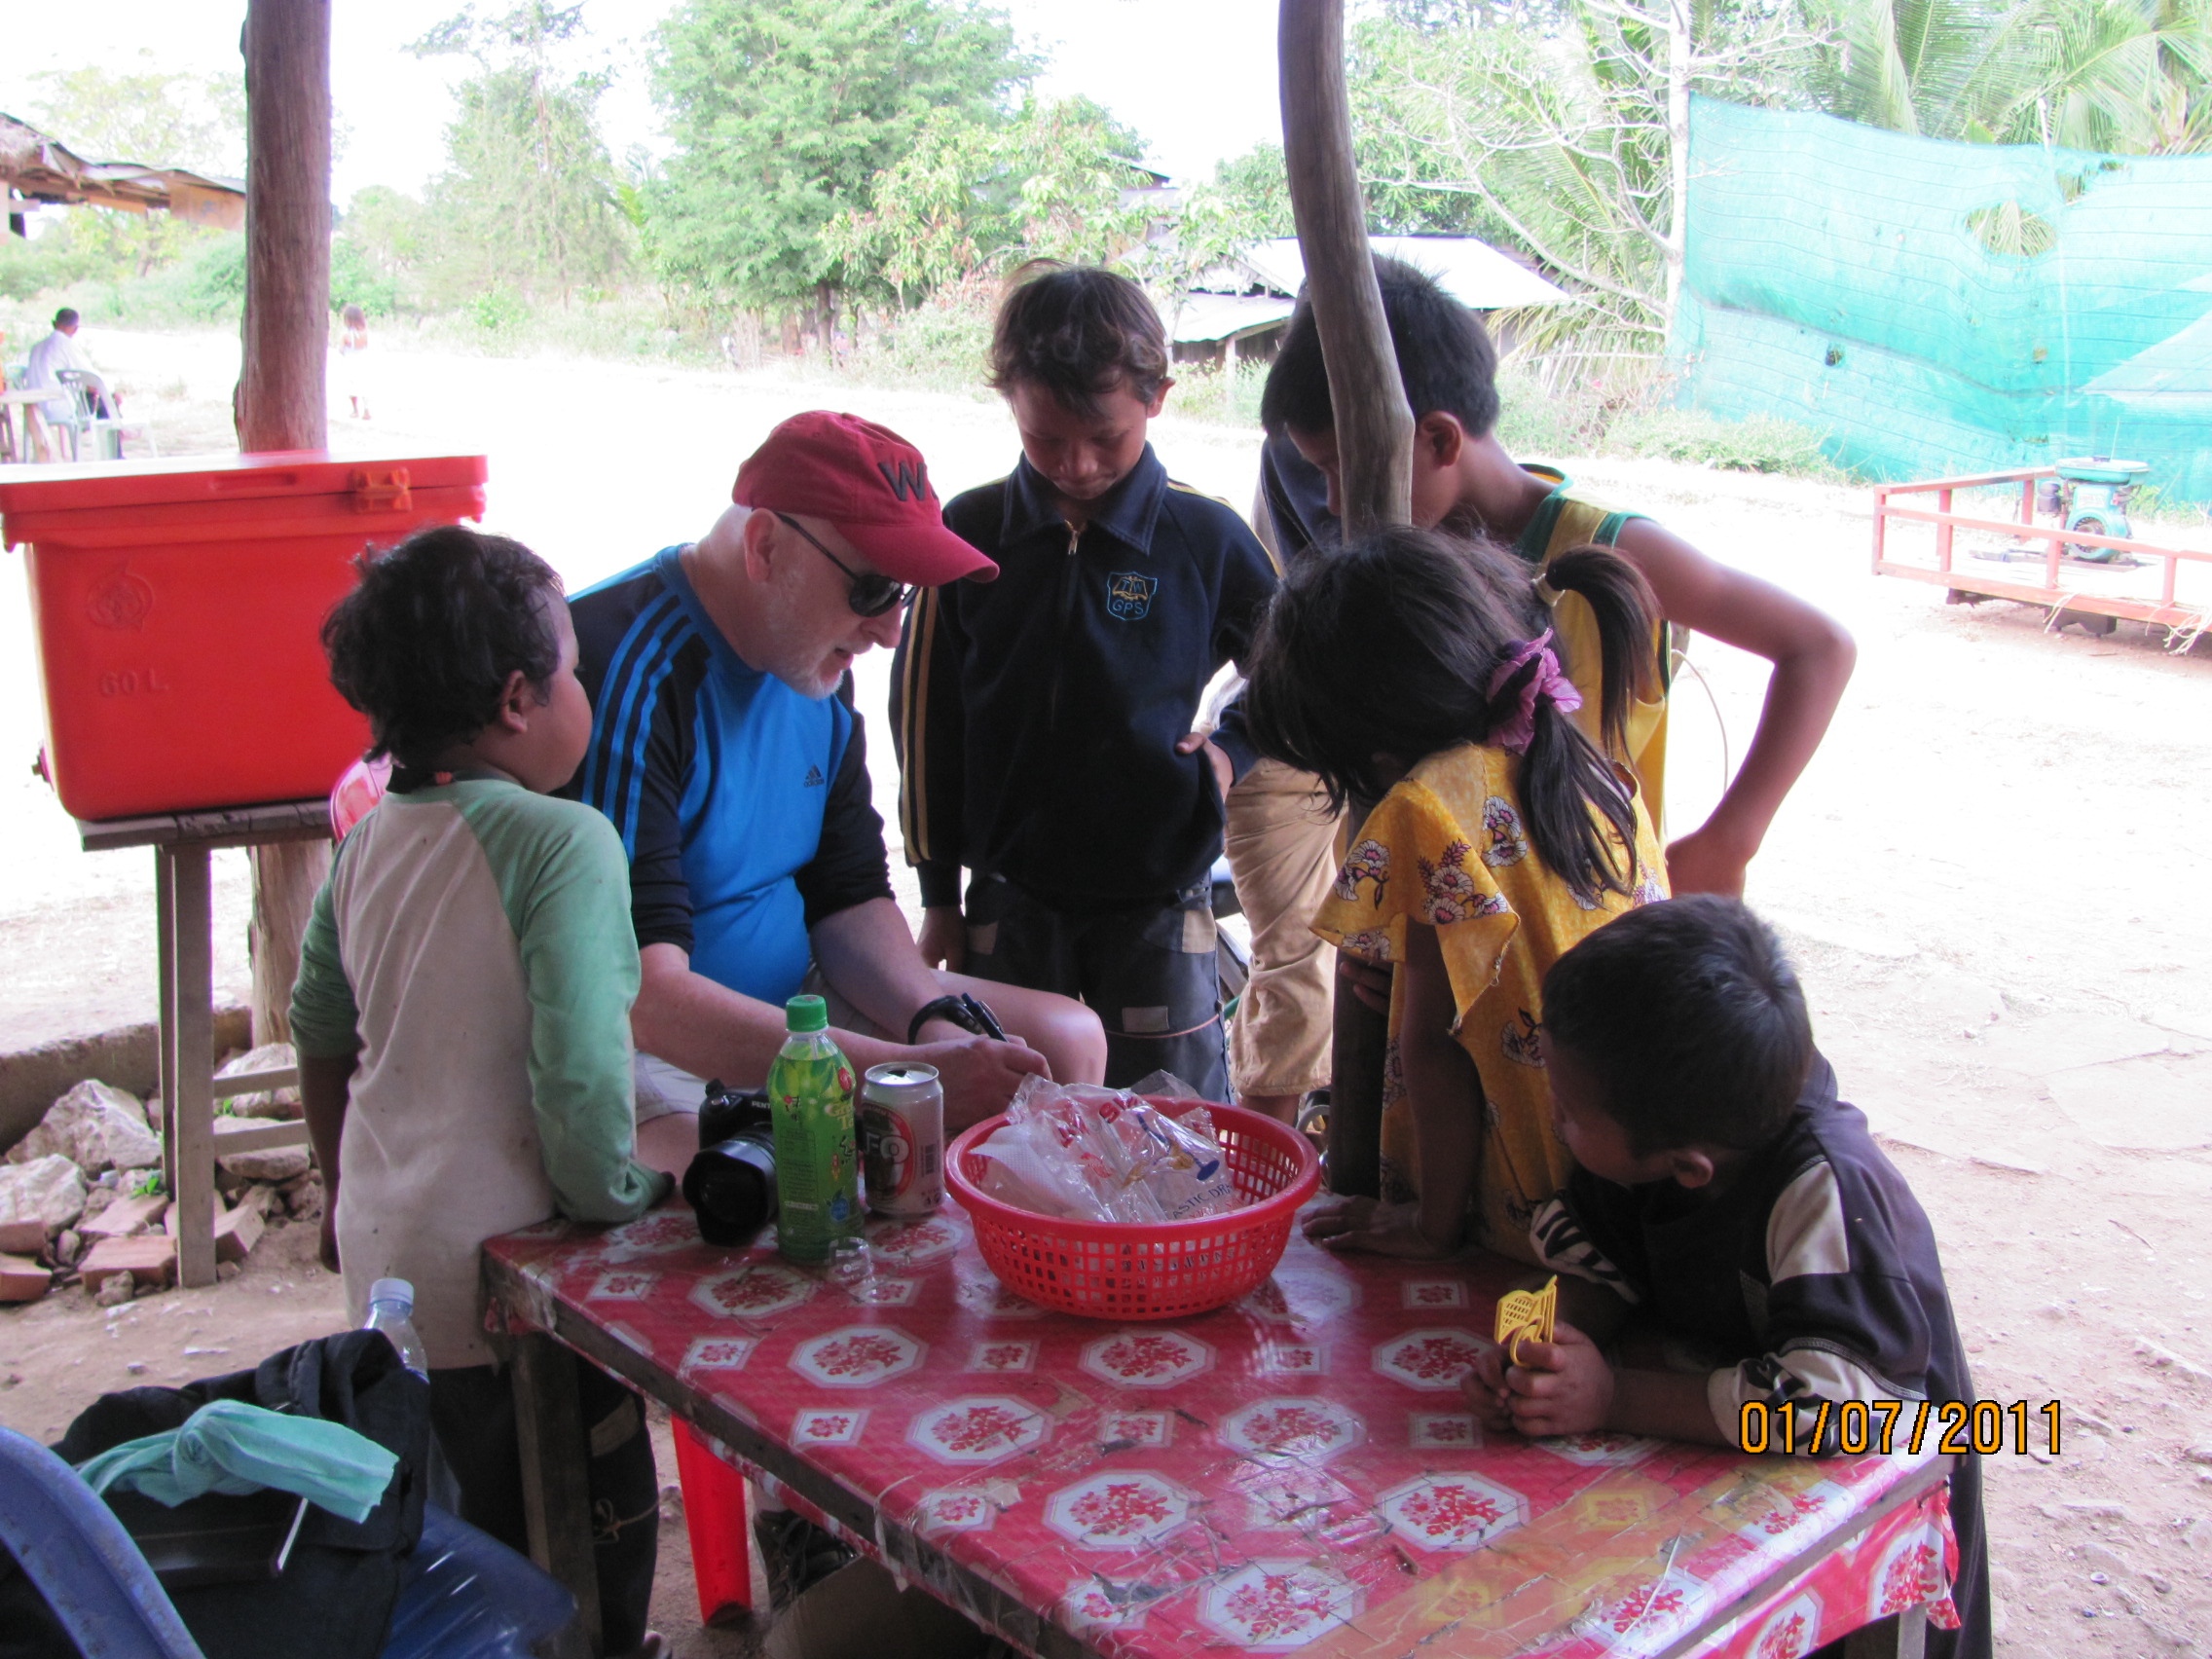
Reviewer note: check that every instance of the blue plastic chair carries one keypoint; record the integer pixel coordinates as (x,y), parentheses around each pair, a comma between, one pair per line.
(463,1596)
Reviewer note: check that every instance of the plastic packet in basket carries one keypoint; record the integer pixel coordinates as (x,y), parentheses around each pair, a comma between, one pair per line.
(1091,1154)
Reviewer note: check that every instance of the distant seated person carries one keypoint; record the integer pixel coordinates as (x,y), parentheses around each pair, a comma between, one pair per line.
(57,352)
(727,752)
(1773,1261)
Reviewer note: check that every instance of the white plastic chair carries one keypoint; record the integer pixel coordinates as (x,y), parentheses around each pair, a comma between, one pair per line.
(88,397)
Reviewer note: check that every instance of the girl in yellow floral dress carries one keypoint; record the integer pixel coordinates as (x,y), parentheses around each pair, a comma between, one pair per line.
(1419,672)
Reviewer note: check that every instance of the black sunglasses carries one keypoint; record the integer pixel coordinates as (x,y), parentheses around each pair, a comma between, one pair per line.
(870,595)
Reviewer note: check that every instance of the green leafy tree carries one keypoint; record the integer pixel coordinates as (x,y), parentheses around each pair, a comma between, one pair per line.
(527,204)
(387,246)
(784,111)
(1568,142)
(1246,202)
(977,197)
(154,117)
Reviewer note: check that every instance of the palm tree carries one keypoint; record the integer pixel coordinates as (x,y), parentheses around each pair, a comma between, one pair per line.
(2128,77)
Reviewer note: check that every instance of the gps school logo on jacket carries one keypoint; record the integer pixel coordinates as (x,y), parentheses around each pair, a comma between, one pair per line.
(1129,595)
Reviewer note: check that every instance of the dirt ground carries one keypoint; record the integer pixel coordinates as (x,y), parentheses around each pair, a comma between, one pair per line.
(1992,875)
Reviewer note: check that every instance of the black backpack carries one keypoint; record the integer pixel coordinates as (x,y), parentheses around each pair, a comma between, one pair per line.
(335,1596)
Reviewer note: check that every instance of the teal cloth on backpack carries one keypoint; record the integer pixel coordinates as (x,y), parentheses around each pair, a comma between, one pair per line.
(232,1448)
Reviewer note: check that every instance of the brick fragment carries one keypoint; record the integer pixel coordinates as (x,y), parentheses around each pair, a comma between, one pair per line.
(125,1217)
(236,1231)
(22,1279)
(150,1260)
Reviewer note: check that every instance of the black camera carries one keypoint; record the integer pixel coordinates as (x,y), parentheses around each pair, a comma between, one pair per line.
(731,1183)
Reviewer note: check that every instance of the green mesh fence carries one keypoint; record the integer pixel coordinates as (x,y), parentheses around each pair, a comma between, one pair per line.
(1939,307)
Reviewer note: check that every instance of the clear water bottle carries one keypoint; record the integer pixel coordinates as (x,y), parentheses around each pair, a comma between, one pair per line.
(392,1305)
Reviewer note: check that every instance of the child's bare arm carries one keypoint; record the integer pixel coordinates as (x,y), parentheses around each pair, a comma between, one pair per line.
(1812,656)
(1590,1307)
(327,1089)
(1446,1098)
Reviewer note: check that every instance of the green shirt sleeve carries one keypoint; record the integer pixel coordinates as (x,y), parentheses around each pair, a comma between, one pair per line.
(566,887)
(325,1023)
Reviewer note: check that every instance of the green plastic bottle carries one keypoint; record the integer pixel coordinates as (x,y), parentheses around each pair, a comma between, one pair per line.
(810,1101)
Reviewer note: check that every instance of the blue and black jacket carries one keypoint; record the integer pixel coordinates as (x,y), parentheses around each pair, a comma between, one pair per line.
(744,807)
(1037,716)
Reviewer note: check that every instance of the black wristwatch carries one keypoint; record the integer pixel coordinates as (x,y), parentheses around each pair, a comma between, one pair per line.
(967,1013)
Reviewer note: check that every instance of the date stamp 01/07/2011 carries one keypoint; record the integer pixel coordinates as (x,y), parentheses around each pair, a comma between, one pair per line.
(1959,1426)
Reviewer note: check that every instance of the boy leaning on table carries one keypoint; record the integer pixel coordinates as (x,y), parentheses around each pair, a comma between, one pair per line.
(462,1009)
(1732,1203)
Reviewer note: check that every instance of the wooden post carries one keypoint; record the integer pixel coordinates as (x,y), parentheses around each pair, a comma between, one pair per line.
(1374,437)
(281,387)
(1375,425)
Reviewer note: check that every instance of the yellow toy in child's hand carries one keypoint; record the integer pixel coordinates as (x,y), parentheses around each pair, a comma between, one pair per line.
(1526,1314)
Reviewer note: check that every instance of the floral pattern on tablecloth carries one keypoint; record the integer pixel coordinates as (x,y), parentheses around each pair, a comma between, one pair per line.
(1295,1473)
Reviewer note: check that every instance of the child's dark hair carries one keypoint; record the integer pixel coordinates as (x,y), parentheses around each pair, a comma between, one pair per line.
(1389,645)
(426,644)
(1079,332)
(1692,1017)
(1445,357)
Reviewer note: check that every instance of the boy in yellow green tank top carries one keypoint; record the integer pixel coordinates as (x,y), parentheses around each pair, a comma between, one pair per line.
(1463,479)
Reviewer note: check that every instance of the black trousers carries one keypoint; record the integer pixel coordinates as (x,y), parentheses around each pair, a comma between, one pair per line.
(1149,973)
(472,1412)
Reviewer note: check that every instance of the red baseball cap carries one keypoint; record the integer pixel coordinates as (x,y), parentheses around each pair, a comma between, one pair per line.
(868,481)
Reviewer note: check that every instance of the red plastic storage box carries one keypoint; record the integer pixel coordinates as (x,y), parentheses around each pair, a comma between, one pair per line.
(179,606)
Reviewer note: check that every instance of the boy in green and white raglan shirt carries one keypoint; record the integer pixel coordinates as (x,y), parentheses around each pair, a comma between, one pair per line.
(462,1010)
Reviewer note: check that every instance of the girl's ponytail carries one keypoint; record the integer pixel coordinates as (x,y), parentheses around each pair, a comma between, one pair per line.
(1563,776)
(1627,614)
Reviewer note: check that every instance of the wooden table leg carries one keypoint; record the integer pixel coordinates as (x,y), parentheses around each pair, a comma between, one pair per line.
(1900,1636)
(192,1019)
(556,1495)
(165,953)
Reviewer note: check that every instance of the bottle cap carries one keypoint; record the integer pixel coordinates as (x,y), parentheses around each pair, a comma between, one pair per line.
(392,1290)
(806,1013)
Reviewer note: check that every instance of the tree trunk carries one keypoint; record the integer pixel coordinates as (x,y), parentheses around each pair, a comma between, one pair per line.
(1375,426)
(1374,437)
(1679,47)
(281,389)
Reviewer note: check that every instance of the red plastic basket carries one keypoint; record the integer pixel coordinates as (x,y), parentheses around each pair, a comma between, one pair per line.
(1108,1269)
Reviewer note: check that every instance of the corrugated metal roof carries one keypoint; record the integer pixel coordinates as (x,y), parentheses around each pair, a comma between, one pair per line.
(41,170)
(1471,270)
(1204,318)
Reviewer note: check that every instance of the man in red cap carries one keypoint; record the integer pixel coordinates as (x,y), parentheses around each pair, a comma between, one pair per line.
(727,752)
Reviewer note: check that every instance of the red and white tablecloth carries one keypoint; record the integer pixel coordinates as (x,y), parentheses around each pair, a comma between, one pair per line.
(1297,1472)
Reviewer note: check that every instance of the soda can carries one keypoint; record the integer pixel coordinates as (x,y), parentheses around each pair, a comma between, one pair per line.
(903,1138)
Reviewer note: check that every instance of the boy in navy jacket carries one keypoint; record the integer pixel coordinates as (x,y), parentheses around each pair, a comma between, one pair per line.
(1044,722)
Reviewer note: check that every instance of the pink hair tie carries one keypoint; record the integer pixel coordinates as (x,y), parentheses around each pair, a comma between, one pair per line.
(1513,734)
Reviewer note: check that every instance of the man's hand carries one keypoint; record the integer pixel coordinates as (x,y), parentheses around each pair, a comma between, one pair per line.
(1703,862)
(979,1076)
(1382,1230)
(1223,772)
(1369,981)
(329,1247)
(944,938)
(1562,1386)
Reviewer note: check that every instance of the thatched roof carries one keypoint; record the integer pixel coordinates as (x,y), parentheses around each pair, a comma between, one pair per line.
(38,168)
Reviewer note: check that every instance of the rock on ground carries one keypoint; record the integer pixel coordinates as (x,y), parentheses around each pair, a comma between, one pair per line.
(95,1126)
(269,1103)
(272,1164)
(49,1190)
